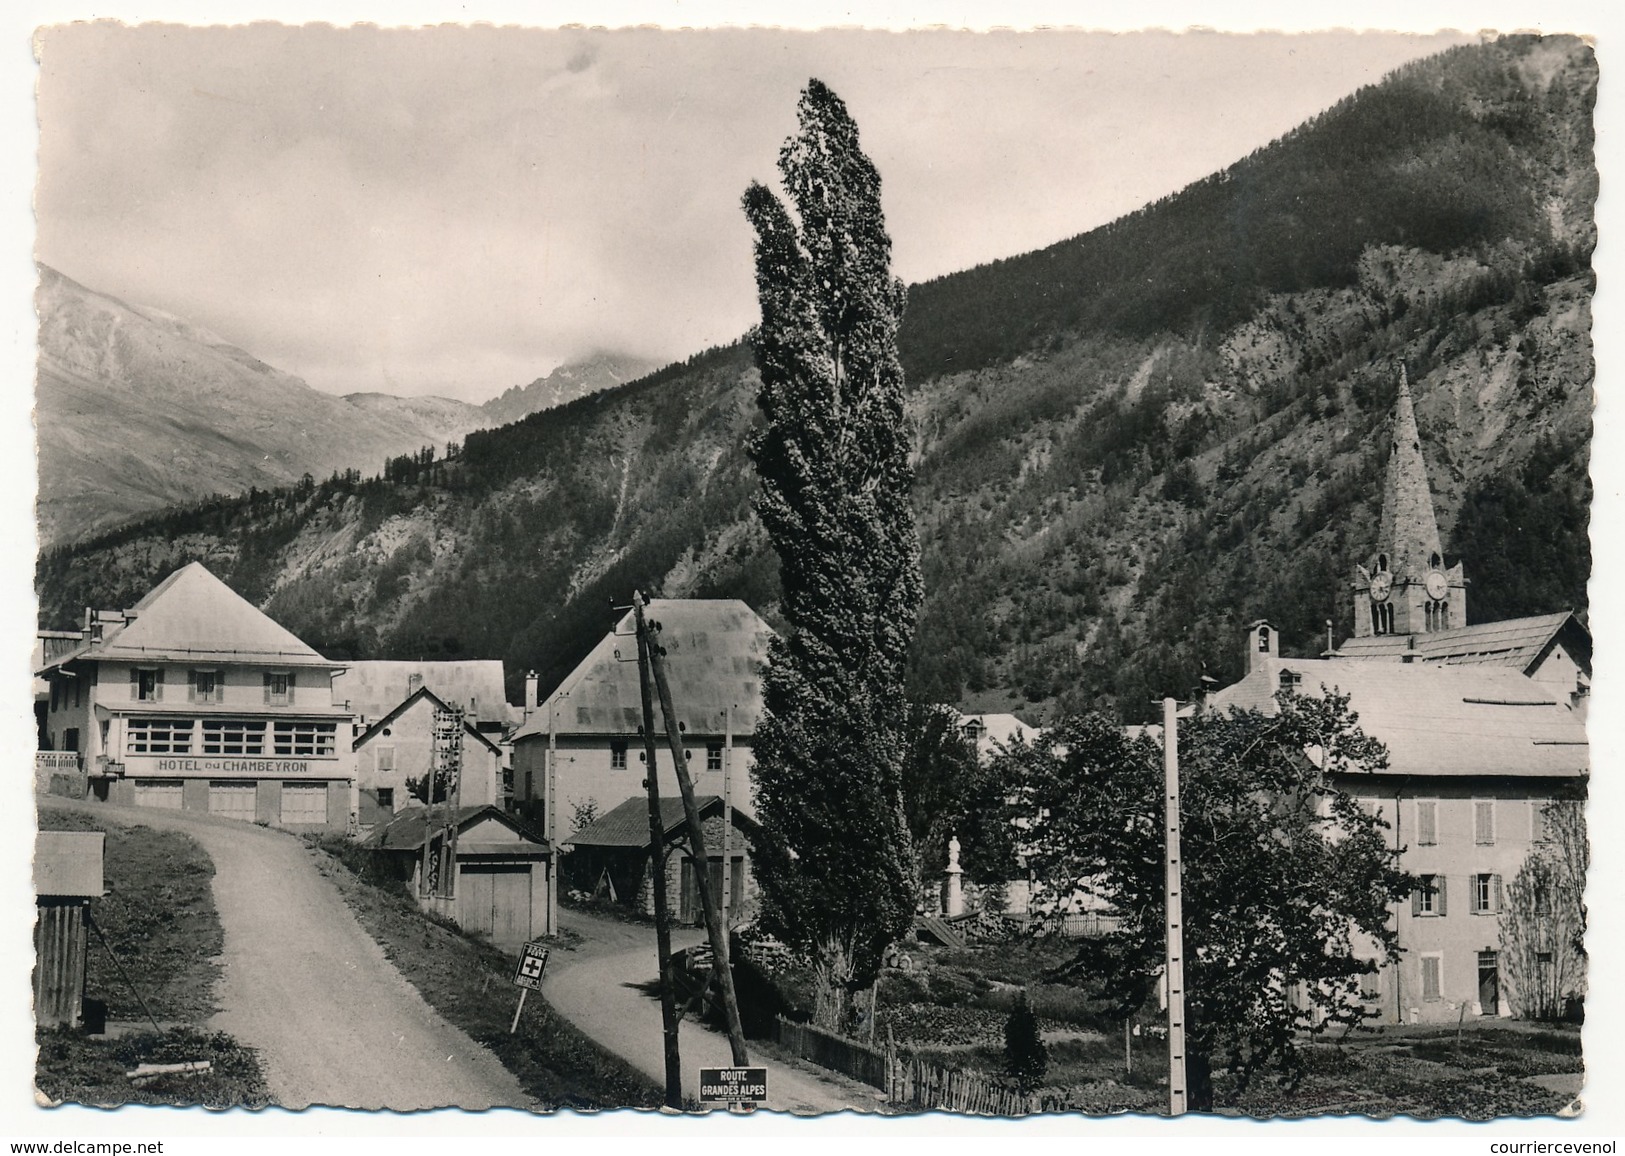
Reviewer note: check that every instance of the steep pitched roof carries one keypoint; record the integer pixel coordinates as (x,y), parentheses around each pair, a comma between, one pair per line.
(192,616)
(1438,720)
(716,650)
(375,687)
(627,825)
(995,732)
(1409,529)
(1519,643)
(422,694)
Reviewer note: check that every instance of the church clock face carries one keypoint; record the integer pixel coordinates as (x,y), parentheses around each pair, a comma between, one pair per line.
(1381,583)
(1437,586)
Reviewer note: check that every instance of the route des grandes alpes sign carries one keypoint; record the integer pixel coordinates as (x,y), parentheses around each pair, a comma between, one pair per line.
(733,1085)
(532,963)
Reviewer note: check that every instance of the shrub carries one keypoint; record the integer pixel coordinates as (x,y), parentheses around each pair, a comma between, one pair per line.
(1025,1057)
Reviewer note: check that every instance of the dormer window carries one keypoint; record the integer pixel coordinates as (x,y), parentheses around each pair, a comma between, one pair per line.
(1291,680)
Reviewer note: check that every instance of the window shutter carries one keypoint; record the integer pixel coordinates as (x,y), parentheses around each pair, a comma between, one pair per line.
(135,683)
(1416,901)
(191,686)
(158,685)
(1438,903)
(1427,822)
(267,677)
(219,686)
(1495,893)
(1484,821)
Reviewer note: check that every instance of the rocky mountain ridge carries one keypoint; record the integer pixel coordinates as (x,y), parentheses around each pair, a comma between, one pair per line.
(1128,445)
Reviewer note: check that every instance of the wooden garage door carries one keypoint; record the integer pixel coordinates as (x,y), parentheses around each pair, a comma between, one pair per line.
(164,793)
(493,899)
(232,800)
(304,804)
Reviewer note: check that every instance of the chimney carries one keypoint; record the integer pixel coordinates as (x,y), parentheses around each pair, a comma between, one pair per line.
(530,693)
(1262,644)
(414,683)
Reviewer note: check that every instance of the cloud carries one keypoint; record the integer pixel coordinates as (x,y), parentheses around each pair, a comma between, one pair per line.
(457,209)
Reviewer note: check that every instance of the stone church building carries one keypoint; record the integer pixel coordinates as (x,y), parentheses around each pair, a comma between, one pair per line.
(1485,727)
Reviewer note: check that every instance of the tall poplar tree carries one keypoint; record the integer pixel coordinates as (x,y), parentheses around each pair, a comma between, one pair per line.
(835,863)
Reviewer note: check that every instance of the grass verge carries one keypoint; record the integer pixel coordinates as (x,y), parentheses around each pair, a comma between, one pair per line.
(470,984)
(159,917)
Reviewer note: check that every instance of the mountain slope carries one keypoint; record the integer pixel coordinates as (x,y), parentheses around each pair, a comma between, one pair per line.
(137,409)
(566,383)
(1128,445)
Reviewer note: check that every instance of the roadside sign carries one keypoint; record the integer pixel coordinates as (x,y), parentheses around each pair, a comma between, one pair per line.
(733,1085)
(532,963)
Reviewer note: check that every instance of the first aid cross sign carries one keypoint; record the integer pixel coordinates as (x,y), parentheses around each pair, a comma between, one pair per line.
(532,963)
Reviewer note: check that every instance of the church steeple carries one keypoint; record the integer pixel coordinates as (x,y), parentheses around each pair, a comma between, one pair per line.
(1405,588)
(1410,533)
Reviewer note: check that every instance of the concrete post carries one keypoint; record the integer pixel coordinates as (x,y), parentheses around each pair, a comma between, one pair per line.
(953,896)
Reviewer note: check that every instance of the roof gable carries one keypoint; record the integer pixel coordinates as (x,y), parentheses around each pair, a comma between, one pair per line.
(627,825)
(192,616)
(433,701)
(407,830)
(1517,643)
(716,650)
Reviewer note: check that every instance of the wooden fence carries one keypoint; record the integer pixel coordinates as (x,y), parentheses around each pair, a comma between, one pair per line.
(910,1082)
(827,1050)
(924,1086)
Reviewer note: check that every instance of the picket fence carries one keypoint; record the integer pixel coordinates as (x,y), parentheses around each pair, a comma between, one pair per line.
(827,1050)
(924,1086)
(910,1082)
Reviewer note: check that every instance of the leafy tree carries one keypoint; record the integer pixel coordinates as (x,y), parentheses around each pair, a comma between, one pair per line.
(1286,882)
(1026,1059)
(836,866)
(949,791)
(1543,926)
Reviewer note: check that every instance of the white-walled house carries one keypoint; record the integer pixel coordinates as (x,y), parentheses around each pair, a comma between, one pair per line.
(194,699)
(400,746)
(587,730)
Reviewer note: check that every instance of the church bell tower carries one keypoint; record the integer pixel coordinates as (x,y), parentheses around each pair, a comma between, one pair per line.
(1404,587)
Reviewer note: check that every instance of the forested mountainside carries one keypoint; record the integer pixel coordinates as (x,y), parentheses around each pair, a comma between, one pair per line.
(1129,444)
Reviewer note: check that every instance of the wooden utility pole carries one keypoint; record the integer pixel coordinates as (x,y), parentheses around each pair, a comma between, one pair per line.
(657,856)
(1175,970)
(727,816)
(550,798)
(696,841)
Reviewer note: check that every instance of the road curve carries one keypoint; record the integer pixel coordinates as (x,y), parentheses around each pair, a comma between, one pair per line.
(596,988)
(332,1020)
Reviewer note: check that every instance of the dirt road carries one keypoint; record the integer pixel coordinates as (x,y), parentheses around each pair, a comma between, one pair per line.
(596,987)
(333,1021)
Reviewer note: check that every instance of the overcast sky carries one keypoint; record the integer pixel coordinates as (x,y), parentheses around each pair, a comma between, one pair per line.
(456,211)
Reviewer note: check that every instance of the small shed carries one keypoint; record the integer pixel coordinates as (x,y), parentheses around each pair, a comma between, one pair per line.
(612,855)
(504,870)
(67,876)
